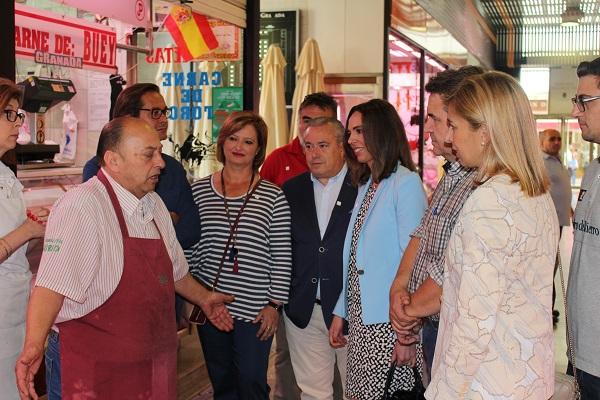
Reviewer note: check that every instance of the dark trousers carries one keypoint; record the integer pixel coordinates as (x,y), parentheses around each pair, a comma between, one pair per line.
(430,332)
(237,361)
(589,385)
(52,363)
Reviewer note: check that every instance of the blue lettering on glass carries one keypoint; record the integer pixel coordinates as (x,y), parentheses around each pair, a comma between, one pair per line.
(191,98)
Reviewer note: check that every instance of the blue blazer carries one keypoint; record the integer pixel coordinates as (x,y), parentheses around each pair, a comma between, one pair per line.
(395,212)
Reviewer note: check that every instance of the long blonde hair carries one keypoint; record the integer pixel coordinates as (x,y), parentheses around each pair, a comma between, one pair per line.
(495,101)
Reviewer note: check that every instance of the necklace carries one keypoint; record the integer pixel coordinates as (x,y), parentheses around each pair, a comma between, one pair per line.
(233,252)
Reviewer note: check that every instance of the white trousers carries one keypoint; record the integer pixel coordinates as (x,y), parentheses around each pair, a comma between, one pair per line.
(313,358)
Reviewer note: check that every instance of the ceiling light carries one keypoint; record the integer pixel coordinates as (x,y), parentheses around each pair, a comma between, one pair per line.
(398,53)
(571,16)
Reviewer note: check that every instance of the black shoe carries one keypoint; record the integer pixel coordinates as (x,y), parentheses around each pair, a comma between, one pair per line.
(555,315)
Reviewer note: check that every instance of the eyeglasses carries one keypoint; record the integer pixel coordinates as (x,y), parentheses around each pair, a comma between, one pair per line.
(156,113)
(580,101)
(12,115)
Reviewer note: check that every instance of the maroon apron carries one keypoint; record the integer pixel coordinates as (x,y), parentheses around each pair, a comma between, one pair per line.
(127,347)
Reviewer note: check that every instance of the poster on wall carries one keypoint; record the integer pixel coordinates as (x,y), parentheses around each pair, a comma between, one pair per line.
(98,104)
(225,100)
(49,38)
(281,28)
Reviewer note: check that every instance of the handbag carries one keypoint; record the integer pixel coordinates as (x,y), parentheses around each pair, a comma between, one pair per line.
(416,393)
(565,386)
(194,314)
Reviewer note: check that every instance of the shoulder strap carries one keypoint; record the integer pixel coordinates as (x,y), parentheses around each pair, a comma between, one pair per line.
(570,349)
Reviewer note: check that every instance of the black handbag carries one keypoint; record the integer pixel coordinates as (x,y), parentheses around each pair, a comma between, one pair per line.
(416,393)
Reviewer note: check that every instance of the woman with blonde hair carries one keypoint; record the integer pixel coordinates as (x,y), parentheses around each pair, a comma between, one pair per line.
(495,338)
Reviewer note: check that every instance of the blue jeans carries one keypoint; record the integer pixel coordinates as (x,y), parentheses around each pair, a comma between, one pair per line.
(236,361)
(52,362)
(430,332)
(589,385)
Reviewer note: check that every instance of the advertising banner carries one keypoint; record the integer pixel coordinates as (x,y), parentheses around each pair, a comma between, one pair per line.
(49,38)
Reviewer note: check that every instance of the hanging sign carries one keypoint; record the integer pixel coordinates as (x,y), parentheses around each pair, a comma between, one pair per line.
(133,12)
(49,38)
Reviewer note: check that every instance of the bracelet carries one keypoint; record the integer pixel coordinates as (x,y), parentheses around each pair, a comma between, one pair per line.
(6,247)
(277,307)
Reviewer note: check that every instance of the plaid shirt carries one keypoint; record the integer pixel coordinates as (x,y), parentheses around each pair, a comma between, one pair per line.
(437,224)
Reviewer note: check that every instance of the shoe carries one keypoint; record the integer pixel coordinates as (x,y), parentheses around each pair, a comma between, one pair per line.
(555,315)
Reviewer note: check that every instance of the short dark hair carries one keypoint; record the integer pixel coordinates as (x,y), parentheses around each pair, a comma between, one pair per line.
(237,121)
(385,138)
(111,136)
(447,81)
(589,68)
(129,101)
(321,100)
(9,91)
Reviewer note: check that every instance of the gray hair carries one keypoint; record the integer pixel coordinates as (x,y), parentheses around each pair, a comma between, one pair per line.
(322,121)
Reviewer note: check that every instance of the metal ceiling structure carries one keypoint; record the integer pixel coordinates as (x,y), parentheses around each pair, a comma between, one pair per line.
(530,31)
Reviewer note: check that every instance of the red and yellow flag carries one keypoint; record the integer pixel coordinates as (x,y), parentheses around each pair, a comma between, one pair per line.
(191,33)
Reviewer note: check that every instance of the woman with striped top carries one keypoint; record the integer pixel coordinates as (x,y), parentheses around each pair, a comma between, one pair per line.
(246,249)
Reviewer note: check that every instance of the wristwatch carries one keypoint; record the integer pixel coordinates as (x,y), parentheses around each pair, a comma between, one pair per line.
(277,307)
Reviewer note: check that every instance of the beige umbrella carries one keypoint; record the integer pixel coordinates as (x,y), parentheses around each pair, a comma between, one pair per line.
(272,98)
(310,73)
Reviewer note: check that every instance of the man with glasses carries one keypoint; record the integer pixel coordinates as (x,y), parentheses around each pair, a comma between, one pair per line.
(144,101)
(583,301)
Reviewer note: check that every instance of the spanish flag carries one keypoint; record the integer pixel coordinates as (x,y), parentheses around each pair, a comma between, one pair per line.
(191,33)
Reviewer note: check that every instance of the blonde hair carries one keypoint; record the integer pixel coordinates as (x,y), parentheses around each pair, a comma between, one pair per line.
(496,102)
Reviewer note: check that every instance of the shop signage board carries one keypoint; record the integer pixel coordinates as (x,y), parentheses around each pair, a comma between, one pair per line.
(281,28)
(49,38)
(225,100)
(134,12)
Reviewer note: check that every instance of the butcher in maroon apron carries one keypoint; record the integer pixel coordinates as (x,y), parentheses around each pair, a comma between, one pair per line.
(127,347)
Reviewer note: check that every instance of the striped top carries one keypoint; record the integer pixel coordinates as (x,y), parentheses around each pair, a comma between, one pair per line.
(263,243)
(83,251)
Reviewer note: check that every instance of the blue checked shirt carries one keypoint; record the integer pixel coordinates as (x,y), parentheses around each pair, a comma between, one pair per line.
(437,224)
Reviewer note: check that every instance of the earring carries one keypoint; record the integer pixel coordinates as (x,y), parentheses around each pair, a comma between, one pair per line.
(482,144)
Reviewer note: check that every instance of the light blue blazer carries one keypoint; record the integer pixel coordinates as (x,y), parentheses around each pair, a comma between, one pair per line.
(395,213)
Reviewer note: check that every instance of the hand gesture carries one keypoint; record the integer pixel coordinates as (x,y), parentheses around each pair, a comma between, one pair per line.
(27,365)
(404,355)
(215,310)
(400,298)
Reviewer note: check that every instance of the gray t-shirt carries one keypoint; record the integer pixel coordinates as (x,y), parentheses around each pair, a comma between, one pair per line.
(560,188)
(584,276)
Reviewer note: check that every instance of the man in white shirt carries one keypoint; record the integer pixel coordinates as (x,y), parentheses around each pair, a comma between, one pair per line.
(321,202)
(109,271)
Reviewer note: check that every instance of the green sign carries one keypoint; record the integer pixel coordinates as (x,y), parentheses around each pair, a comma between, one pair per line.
(225,100)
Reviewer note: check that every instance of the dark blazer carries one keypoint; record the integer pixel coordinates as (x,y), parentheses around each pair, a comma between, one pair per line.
(313,258)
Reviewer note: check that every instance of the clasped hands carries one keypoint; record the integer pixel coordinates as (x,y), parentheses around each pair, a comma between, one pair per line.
(406,327)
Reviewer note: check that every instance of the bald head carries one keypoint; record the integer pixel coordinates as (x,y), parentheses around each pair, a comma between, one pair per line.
(551,142)
(129,150)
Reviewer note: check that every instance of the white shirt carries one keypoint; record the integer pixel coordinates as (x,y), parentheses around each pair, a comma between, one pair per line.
(325,198)
(83,251)
(12,215)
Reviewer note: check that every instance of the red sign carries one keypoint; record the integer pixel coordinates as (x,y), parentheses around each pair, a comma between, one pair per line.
(50,38)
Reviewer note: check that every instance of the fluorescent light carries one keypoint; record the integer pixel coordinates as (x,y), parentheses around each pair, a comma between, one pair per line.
(434,63)
(403,45)
(398,53)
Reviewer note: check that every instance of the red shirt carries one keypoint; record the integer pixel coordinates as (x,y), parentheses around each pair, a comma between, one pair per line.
(284,163)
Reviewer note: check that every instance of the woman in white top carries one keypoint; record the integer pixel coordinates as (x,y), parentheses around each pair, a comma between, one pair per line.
(495,337)
(15,231)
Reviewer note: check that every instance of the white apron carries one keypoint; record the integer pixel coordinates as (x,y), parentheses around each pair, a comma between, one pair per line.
(14,284)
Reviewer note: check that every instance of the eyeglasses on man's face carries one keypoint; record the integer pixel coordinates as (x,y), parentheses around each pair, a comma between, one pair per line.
(12,115)
(581,99)
(156,113)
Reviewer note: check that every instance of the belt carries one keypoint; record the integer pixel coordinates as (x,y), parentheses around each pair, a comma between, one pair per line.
(318,301)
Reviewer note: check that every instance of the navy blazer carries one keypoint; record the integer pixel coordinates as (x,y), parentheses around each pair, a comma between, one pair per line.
(313,257)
